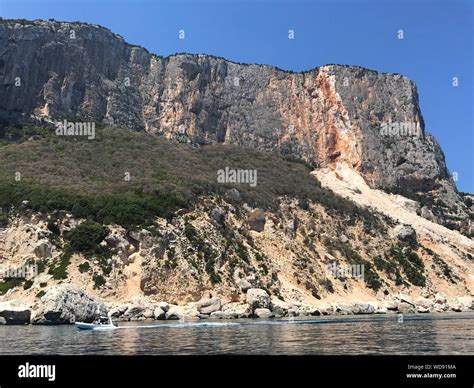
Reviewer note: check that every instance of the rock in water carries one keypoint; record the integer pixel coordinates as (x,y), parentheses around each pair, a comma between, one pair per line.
(235,310)
(159,314)
(209,306)
(67,304)
(11,314)
(263,313)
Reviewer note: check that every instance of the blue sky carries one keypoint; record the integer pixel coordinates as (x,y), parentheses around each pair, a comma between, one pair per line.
(437,45)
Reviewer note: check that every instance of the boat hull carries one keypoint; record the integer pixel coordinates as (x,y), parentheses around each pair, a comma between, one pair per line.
(93,326)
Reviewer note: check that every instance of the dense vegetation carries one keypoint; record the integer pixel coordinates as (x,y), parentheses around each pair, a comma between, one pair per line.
(58,268)
(87,236)
(129,178)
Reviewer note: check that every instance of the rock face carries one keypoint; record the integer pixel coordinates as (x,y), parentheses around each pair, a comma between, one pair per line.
(404,233)
(209,306)
(263,313)
(256,220)
(329,114)
(258,298)
(236,310)
(67,304)
(11,314)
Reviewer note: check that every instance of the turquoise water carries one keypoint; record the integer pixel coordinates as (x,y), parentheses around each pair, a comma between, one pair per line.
(451,333)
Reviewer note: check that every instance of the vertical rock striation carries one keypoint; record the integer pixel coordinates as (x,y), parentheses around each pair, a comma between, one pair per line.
(326,115)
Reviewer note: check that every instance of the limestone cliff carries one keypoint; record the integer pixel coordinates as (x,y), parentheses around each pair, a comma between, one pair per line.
(334,113)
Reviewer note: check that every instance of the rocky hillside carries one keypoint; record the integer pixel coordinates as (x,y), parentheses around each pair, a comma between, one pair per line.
(56,70)
(224,259)
(345,216)
(173,243)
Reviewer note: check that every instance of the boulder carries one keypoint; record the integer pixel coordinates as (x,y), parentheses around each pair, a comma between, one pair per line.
(124,251)
(461,303)
(258,298)
(440,308)
(12,314)
(262,313)
(428,214)
(182,312)
(159,314)
(342,309)
(278,312)
(43,249)
(404,232)
(381,310)
(294,311)
(404,298)
(407,204)
(118,311)
(174,313)
(456,308)
(406,308)
(233,195)
(440,298)
(164,306)
(218,214)
(140,235)
(256,220)
(114,239)
(325,309)
(236,310)
(208,306)
(422,310)
(390,305)
(466,302)
(67,304)
(244,284)
(220,315)
(362,308)
(279,307)
(423,303)
(291,227)
(134,312)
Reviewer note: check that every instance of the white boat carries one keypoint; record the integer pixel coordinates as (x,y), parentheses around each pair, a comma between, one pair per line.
(103,323)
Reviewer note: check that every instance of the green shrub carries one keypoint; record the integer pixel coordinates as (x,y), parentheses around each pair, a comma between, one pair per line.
(445,269)
(10,283)
(165,175)
(59,268)
(27,284)
(86,237)
(41,265)
(99,280)
(54,228)
(84,267)
(371,277)
(409,262)
(327,284)
(3,220)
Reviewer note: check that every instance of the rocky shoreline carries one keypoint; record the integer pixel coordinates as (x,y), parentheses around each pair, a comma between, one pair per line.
(66,305)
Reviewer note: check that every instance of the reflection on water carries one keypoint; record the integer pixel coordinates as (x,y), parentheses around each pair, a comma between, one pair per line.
(420,334)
